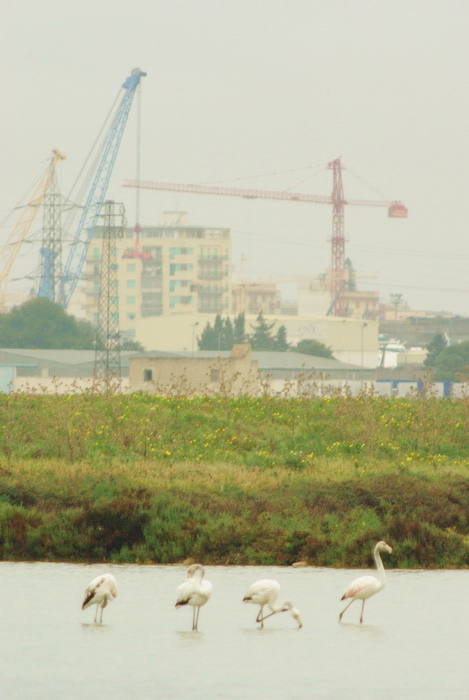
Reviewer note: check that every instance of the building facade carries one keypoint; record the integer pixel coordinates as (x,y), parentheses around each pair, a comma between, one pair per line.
(255,297)
(171,269)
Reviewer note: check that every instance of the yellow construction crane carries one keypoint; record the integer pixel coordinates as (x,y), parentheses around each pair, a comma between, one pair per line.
(10,250)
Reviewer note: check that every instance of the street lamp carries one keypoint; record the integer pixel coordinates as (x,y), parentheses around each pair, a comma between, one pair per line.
(193,335)
(363,327)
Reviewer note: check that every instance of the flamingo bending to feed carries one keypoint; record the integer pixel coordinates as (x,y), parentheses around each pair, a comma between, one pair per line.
(266,592)
(101,591)
(364,587)
(196,592)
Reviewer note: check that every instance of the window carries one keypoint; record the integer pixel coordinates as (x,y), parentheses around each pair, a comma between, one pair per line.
(130,300)
(178,267)
(131,267)
(147,375)
(174,284)
(173,300)
(96,255)
(131,284)
(131,316)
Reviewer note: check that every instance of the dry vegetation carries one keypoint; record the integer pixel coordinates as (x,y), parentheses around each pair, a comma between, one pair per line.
(246,481)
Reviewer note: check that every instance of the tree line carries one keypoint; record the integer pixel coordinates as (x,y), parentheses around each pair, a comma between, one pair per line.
(42,324)
(224,333)
(447,361)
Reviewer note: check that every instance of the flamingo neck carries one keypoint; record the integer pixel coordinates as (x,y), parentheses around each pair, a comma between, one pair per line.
(196,571)
(380,567)
(281,606)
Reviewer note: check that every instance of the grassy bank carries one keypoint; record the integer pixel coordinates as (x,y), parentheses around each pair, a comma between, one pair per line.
(246,481)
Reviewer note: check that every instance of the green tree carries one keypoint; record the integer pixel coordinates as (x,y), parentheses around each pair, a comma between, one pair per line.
(453,363)
(228,334)
(239,329)
(207,340)
(223,334)
(308,346)
(217,337)
(280,340)
(40,323)
(435,347)
(261,338)
(129,344)
(218,329)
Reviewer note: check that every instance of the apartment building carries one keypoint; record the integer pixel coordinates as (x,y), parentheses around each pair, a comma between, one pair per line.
(172,269)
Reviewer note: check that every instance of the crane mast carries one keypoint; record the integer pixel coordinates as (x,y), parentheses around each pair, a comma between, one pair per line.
(97,193)
(51,249)
(10,250)
(338,238)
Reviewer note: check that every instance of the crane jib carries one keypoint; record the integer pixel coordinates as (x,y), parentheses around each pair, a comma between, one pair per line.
(97,192)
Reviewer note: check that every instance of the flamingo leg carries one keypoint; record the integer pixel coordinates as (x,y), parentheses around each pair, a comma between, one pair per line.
(101,616)
(272,613)
(259,617)
(194,626)
(96,614)
(197,618)
(361,615)
(346,607)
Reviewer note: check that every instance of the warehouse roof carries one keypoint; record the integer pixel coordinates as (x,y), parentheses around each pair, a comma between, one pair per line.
(268,361)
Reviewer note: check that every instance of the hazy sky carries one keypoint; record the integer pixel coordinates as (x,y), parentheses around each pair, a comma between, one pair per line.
(240,89)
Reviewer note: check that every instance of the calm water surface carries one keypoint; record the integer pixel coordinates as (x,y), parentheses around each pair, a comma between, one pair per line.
(414,642)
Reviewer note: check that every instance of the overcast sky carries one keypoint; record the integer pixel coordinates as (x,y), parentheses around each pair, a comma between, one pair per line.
(240,89)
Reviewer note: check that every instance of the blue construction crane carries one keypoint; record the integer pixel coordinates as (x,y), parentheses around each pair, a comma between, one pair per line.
(97,192)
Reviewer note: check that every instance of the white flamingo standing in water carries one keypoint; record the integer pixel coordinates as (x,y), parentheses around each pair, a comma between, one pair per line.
(266,592)
(196,591)
(101,591)
(364,587)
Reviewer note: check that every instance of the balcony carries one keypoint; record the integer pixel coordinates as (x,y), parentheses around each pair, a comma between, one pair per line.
(210,275)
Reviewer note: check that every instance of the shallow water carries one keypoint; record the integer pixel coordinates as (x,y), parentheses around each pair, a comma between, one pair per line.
(413,643)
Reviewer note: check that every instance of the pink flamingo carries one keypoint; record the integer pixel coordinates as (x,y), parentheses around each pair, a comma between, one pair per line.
(366,586)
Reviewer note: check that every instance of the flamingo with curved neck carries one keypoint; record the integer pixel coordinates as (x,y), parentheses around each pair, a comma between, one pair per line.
(266,592)
(364,587)
(196,591)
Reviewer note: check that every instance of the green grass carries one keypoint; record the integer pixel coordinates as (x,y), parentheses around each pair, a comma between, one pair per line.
(245,481)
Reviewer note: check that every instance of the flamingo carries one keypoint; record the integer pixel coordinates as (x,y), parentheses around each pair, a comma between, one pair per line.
(364,587)
(101,591)
(266,592)
(196,591)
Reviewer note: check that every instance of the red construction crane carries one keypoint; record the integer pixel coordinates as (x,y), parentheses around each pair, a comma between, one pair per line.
(337,199)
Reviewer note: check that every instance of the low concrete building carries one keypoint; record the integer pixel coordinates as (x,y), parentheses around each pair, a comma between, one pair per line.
(241,372)
(233,373)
